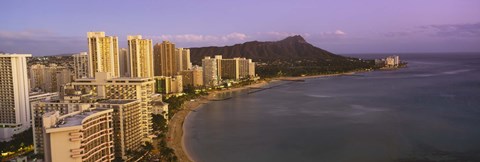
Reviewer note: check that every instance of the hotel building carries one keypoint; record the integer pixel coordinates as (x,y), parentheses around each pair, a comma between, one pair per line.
(85,135)
(168,85)
(43,107)
(164,60)
(127,134)
(80,62)
(182,57)
(105,86)
(14,97)
(124,62)
(49,78)
(193,77)
(141,53)
(210,72)
(103,54)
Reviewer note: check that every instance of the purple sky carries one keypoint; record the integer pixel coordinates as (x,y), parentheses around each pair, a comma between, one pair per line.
(341,26)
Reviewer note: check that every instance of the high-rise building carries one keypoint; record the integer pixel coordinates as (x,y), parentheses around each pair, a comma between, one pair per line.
(37,72)
(85,135)
(164,59)
(80,62)
(49,78)
(103,54)
(127,134)
(14,98)
(251,68)
(210,72)
(141,53)
(124,62)
(230,69)
(193,77)
(182,57)
(107,87)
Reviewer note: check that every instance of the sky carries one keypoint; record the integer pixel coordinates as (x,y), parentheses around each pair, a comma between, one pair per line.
(50,27)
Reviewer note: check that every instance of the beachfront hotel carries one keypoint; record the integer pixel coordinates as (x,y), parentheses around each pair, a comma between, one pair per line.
(141,56)
(193,77)
(81,136)
(14,97)
(218,68)
(103,54)
(210,72)
(104,85)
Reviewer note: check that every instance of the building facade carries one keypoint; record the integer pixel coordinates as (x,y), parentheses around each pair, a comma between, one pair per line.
(210,72)
(49,78)
(14,95)
(164,59)
(42,107)
(127,134)
(82,136)
(140,56)
(80,65)
(182,57)
(193,77)
(103,54)
(124,62)
(106,87)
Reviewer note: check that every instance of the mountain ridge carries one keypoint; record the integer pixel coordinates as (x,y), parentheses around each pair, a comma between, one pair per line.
(293,47)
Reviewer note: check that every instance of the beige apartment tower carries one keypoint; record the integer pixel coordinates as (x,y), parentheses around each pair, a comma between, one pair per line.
(42,107)
(49,78)
(124,62)
(80,62)
(182,57)
(127,134)
(107,87)
(193,77)
(79,136)
(14,98)
(210,72)
(164,60)
(141,56)
(103,54)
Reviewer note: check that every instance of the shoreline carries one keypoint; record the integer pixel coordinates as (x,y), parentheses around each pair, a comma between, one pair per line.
(176,129)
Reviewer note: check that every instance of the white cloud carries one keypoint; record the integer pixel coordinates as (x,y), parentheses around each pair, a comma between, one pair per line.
(339,32)
(199,38)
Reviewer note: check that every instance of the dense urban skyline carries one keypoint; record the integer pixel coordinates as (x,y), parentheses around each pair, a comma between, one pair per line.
(53,27)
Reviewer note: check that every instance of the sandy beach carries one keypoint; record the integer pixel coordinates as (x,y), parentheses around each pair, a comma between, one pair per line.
(176,130)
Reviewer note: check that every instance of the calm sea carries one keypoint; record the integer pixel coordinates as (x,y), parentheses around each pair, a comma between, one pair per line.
(429,111)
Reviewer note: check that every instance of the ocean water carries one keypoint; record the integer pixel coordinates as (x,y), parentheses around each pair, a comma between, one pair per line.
(429,111)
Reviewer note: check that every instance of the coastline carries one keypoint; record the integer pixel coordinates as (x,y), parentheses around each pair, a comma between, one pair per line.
(176,130)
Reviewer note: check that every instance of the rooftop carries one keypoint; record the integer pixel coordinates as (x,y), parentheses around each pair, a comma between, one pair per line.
(76,119)
(120,102)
